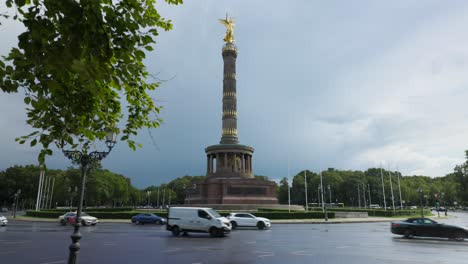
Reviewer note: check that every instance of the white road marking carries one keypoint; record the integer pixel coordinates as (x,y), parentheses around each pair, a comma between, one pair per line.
(343,247)
(266,255)
(16,242)
(302,253)
(170,250)
(399,260)
(54,262)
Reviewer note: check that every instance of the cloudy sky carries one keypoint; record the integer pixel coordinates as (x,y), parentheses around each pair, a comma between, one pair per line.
(343,84)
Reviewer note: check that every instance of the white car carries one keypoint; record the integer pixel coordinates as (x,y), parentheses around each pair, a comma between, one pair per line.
(70,218)
(3,220)
(248,220)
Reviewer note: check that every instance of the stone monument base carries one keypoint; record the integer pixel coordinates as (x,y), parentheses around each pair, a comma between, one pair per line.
(233,191)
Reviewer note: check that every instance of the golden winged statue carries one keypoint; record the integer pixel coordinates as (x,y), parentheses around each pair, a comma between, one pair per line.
(229,24)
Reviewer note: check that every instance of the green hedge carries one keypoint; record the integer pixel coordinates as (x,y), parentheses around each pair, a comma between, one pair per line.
(281,210)
(129,214)
(115,209)
(100,215)
(294,215)
(381,212)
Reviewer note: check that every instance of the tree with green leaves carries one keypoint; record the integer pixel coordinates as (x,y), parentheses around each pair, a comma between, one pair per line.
(79,64)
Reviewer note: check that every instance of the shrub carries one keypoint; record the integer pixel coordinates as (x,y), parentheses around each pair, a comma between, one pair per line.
(100,215)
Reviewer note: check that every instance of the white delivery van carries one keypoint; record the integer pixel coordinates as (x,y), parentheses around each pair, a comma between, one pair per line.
(196,219)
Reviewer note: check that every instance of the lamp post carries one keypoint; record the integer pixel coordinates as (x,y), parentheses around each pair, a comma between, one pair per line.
(85,159)
(15,205)
(329,192)
(420,191)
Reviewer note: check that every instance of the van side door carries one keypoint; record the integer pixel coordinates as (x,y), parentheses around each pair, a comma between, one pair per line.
(202,221)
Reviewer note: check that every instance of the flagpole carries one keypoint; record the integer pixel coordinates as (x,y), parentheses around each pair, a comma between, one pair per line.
(383,189)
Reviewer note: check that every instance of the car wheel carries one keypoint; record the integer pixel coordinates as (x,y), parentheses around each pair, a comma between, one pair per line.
(214,232)
(175,231)
(137,222)
(157,222)
(408,233)
(458,235)
(233,224)
(261,225)
(83,222)
(63,222)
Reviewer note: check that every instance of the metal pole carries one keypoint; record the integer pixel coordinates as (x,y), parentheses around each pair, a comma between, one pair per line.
(329,192)
(420,191)
(169,197)
(164,196)
(76,236)
(399,190)
(383,190)
(44,192)
(289,191)
(39,189)
(318,196)
(391,190)
(359,196)
(52,193)
(370,201)
(158,197)
(321,190)
(305,187)
(364,195)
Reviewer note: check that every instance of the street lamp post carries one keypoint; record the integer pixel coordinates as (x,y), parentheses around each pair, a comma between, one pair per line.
(420,191)
(85,159)
(329,192)
(15,205)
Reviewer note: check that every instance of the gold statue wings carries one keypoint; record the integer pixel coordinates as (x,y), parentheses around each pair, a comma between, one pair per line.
(229,24)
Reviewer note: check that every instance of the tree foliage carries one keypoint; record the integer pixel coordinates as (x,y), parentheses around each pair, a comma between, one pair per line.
(79,62)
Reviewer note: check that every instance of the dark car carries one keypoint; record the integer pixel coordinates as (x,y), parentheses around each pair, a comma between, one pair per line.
(426,227)
(148,218)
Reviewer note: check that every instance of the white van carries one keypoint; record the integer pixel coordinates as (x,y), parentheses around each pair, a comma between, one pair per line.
(196,219)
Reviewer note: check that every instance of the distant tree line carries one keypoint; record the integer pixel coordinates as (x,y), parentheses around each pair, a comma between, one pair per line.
(353,188)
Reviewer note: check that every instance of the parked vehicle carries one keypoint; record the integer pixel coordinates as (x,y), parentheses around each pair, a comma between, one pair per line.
(3,220)
(196,219)
(248,220)
(148,219)
(4,209)
(374,206)
(70,218)
(426,227)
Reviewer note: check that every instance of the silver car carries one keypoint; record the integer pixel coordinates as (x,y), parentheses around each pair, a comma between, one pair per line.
(3,220)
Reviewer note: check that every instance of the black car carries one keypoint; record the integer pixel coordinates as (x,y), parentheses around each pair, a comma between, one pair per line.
(426,227)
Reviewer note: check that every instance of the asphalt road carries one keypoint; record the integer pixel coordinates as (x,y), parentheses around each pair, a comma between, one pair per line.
(47,243)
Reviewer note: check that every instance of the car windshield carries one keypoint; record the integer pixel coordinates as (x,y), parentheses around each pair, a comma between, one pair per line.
(213,213)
